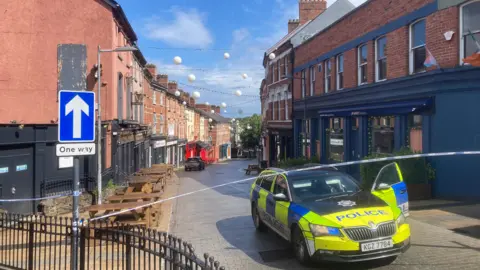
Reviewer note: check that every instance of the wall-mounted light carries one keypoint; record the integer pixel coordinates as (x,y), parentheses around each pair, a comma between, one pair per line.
(448,35)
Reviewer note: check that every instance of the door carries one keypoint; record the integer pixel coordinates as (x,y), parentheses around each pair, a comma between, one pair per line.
(390,187)
(266,208)
(281,207)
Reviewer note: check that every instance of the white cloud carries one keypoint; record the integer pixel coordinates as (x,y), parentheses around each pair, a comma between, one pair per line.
(190,23)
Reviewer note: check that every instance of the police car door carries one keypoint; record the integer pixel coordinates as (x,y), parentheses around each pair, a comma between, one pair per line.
(281,206)
(265,208)
(390,187)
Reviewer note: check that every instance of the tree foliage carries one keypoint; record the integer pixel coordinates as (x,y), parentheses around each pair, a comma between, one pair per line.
(250,137)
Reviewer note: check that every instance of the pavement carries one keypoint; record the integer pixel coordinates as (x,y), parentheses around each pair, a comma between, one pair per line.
(217,221)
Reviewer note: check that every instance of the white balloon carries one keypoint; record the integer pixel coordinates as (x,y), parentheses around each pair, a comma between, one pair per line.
(238,93)
(196,95)
(184,103)
(244,75)
(226,55)
(191,78)
(212,111)
(224,111)
(177,60)
(210,120)
(271,56)
(207,103)
(224,105)
(177,93)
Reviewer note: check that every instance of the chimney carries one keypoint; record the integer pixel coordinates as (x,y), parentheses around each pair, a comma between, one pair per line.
(309,9)
(217,109)
(152,69)
(162,79)
(292,25)
(172,87)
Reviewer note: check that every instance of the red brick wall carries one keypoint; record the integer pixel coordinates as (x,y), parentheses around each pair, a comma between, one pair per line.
(446,52)
(309,9)
(397,53)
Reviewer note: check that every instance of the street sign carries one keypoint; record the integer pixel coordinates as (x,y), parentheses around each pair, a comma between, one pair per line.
(75,149)
(76,116)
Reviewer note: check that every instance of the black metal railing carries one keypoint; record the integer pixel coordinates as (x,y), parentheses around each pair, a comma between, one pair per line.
(39,242)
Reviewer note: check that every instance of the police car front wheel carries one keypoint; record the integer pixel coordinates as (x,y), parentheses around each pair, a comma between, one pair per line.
(300,247)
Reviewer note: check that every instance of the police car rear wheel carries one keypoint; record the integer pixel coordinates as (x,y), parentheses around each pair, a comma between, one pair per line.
(259,225)
(300,247)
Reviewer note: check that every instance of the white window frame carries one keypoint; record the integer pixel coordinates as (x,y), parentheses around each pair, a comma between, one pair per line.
(279,70)
(286,104)
(338,71)
(461,34)
(303,83)
(410,48)
(326,76)
(154,97)
(360,65)
(279,99)
(286,65)
(312,80)
(377,66)
(273,106)
(154,128)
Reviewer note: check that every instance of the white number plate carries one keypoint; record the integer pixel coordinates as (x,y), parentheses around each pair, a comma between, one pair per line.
(404,208)
(383,244)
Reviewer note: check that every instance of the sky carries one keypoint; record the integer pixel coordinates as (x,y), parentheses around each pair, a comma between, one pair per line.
(200,32)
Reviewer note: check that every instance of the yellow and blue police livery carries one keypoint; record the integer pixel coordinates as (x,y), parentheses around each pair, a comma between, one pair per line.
(327,216)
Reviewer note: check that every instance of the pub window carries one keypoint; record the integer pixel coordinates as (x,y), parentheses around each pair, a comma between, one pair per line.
(335,150)
(415,134)
(381,59)
(312,80)
(417,47)
(362,64)
(340,72)
(328,75)
(382,130)
(470,28)
(303,83)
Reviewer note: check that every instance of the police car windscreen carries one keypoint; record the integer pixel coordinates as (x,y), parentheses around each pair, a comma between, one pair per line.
(321,186)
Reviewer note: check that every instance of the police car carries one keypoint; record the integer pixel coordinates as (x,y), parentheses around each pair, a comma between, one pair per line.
(327,216)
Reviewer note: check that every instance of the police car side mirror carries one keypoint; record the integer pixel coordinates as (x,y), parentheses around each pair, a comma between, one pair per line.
(280,197)
(382,186)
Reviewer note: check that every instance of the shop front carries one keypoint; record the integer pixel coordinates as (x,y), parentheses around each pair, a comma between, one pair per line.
(431,112)
(182,143)
(158,148)
(171,152)
(280,145)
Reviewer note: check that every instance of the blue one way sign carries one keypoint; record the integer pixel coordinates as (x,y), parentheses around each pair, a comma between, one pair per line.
(76,116)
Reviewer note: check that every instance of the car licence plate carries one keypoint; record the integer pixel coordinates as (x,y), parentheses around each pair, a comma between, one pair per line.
(382,244)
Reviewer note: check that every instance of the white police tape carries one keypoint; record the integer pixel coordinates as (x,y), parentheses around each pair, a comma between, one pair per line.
(36,199)
(295,170)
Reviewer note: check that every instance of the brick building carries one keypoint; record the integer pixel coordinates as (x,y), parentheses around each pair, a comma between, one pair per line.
(217,130)
(372,92)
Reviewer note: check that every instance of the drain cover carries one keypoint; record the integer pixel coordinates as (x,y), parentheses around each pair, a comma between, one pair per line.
(276,255)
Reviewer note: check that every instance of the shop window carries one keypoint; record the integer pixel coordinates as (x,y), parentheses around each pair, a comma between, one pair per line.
(382,130)
(470,28)
(418,50)
(335,149)
(362,64)
(414,135)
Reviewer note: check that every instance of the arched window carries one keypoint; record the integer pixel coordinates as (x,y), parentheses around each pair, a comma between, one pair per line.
(469,28)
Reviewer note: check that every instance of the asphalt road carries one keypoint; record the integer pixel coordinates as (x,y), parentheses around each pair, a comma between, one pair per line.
(218,221)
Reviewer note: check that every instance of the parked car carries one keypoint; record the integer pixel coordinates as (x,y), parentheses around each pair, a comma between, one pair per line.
(194,163)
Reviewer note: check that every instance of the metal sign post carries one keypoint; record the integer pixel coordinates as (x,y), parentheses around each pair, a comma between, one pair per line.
(76,126)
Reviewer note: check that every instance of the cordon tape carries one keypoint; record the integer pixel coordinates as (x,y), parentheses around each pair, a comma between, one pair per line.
(37,199)
(296,170)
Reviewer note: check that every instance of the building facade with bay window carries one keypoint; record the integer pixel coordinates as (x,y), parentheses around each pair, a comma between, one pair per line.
(400,82)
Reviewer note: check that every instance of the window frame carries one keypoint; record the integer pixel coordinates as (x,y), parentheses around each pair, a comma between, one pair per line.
(286,65)
(273,106)
(410,48)
(327,77)
(312,80)
(360,65)
(338,72)
(303,83)
(461,35)
(377,66)
(286,104)
(279,100)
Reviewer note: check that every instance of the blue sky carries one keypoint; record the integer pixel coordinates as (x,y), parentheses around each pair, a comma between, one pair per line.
(201,31)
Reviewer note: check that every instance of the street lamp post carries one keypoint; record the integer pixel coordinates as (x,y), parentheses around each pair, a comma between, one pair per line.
(99,117)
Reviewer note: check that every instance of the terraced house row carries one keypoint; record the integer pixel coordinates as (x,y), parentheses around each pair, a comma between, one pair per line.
(146,118)
(347,82)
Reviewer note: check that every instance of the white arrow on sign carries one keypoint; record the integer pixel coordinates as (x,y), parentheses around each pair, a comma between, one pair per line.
(77,105)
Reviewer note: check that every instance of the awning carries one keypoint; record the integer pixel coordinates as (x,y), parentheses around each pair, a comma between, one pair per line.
(203,145)
(387,108)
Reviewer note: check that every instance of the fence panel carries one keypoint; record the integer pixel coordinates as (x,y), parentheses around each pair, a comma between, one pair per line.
(39,242)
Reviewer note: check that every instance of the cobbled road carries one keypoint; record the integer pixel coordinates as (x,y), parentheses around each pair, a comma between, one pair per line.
(218,221)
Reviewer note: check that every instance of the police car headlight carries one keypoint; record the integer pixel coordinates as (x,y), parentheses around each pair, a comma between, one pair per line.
(401,220)
(318,230)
